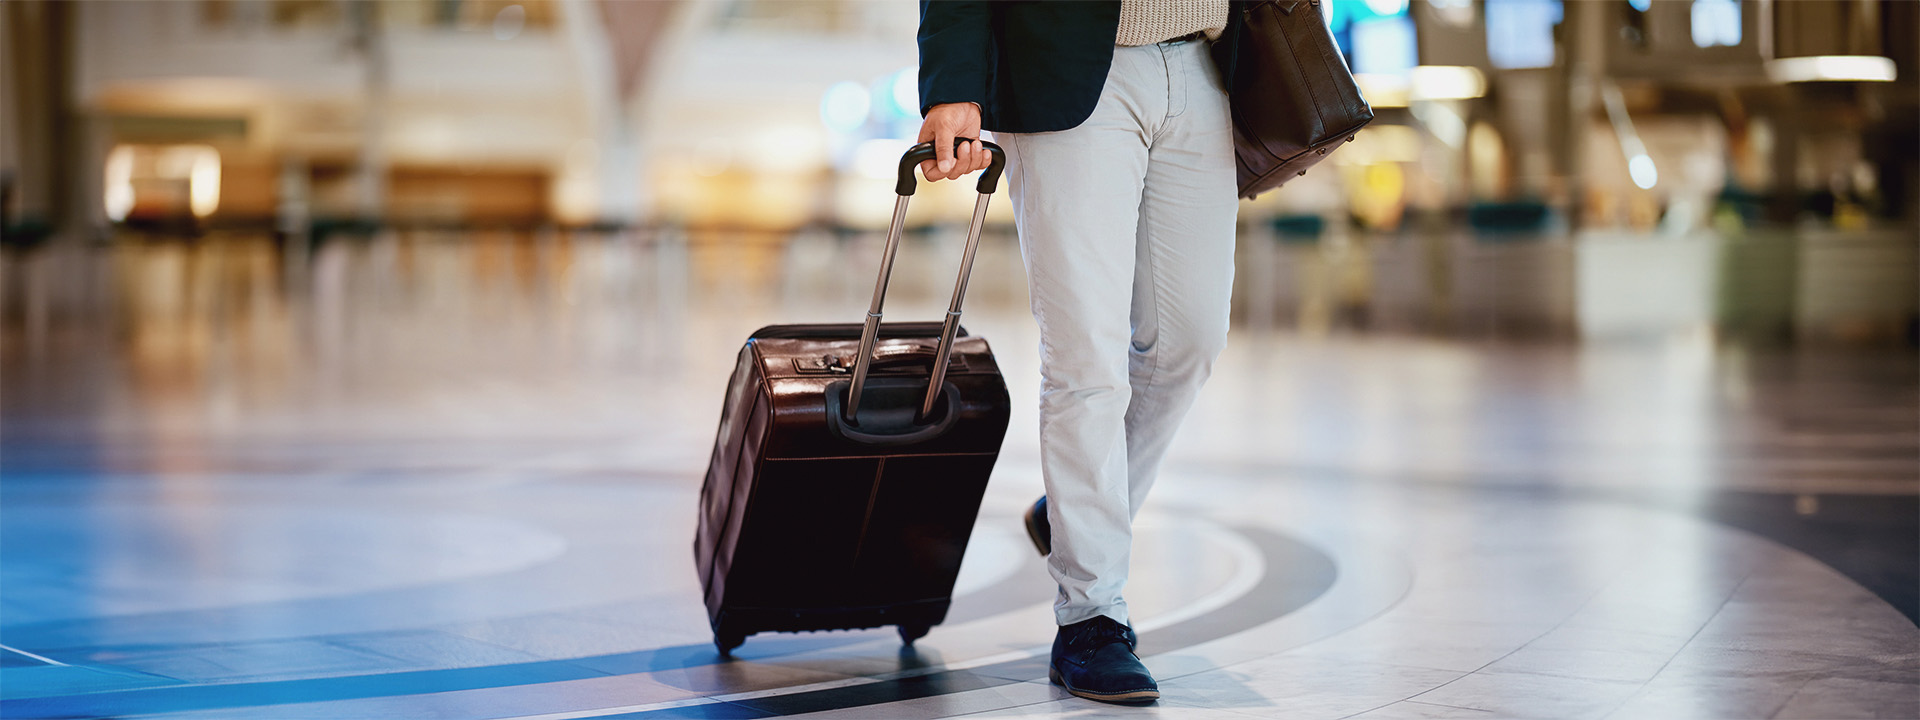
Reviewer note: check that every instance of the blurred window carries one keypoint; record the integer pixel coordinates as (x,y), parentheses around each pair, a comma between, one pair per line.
(1383,45)
(1716,23)
(1520,32)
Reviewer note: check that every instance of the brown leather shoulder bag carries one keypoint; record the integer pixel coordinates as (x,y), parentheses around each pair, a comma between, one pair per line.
(1294,99)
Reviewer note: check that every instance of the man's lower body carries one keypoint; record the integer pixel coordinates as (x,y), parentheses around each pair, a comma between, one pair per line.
(1127,226)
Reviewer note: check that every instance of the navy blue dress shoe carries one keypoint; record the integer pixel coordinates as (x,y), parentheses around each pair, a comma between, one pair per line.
(1039,530)
(1094,659)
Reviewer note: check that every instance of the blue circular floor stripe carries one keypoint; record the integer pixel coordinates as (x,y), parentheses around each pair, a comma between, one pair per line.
(1296,574)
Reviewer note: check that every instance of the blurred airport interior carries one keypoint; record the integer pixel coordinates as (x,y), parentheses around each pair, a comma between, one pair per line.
(1598,168)
(1605,280)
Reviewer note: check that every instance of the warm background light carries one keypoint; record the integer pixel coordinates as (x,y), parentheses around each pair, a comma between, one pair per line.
(1832,68)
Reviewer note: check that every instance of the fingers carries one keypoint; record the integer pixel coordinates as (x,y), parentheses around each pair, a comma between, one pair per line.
(945,122)
(967,157)
(972,157)
(953,160)
(943,153)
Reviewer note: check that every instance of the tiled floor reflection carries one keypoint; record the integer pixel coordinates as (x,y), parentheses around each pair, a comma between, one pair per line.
(439,475)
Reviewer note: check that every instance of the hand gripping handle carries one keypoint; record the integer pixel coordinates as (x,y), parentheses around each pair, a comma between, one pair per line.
(989,178)
(989,181)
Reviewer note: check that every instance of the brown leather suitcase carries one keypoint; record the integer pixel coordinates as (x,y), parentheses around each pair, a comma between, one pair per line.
(817,518)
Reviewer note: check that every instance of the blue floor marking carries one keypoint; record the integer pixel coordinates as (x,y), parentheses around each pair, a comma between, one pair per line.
(1276,594)
(1310,574)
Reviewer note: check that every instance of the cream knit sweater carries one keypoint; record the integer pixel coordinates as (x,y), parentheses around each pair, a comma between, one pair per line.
(1145,22)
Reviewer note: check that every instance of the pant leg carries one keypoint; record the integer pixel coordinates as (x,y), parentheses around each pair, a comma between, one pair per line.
(1184,261)
(1076,196)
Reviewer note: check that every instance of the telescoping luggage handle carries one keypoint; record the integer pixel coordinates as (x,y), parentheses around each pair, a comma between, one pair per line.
(989,180)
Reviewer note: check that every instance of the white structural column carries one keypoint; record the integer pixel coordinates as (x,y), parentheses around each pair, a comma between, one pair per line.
(370,181)
(617,48)
(596,180)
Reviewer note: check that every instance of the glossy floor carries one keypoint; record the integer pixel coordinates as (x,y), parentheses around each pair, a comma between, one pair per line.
(455,478)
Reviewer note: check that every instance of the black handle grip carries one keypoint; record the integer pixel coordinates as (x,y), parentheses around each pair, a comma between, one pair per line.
(989,179)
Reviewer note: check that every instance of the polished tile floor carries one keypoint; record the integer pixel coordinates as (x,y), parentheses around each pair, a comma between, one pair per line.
(446,477)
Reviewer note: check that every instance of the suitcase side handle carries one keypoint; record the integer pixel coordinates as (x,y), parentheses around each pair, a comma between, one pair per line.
(895,355)
(889,424)
(846,331)
(989,181)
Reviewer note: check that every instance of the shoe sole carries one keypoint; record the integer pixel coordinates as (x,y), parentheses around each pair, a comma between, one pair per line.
(1033,534)
(1124,698)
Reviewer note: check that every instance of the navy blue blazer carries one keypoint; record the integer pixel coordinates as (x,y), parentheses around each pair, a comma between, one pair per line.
(1032,65)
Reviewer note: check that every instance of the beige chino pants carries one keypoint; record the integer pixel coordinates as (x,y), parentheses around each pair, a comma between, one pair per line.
(1127,226)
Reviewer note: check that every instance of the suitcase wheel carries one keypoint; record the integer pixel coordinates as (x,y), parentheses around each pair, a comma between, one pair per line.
(726,641)
(910,632)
